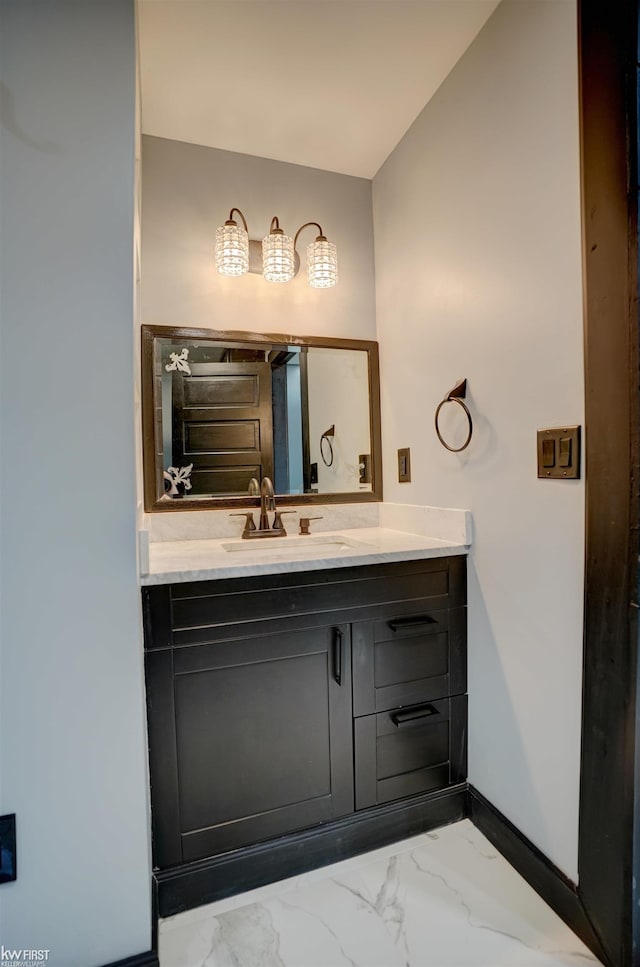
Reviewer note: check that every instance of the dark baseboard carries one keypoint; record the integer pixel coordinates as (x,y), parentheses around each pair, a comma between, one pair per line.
(554,887)
(148,959)
(155,915)
(202,882)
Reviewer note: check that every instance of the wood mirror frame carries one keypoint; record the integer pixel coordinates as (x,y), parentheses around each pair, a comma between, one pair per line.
(153,504)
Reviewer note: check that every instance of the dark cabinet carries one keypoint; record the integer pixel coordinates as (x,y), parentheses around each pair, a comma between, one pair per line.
(261,729)
(281,703)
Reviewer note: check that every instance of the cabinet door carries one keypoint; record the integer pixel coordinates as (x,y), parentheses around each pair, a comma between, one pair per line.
(410,750)
(261,729)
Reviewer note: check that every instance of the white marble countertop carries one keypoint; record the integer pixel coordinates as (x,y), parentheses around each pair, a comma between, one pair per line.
(205,560)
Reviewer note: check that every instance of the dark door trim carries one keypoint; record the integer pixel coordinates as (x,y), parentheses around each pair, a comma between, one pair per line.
(608,32)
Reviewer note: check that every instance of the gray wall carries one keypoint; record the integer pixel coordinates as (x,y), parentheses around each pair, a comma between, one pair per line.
(478,272)
(188,190)
(72,753)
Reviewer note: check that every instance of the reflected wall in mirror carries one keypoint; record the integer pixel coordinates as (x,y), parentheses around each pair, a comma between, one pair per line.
(224,409)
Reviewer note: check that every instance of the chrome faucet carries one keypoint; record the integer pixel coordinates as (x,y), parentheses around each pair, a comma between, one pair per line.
(267,504)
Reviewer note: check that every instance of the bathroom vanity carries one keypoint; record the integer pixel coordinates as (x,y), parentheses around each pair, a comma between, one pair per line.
(307,709)
(306,695)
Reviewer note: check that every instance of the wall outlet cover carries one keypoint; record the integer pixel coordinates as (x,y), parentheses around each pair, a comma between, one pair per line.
(8,859)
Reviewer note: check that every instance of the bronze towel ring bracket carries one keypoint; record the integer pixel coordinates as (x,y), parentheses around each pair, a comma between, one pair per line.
(456,395)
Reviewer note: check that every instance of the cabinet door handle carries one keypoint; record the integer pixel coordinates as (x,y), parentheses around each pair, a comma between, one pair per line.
(413,715)
(337,655)
(413,622)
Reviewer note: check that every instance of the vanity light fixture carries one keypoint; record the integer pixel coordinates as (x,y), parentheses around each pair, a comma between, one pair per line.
(280,259)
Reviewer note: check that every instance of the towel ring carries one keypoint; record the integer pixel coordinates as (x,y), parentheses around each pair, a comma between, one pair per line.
(455,395)
(325,438)
(329,462)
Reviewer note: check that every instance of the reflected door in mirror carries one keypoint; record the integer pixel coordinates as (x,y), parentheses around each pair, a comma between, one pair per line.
(221,421)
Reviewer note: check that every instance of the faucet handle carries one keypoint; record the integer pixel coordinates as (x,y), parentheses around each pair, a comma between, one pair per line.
(277,520)
(249,524)
(305,522)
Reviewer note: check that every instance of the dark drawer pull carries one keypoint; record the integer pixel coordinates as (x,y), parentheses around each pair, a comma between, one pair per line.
(413,715)
(414,622)
(337,655)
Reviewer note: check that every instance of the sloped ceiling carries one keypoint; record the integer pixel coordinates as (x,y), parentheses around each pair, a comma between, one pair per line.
(331,84)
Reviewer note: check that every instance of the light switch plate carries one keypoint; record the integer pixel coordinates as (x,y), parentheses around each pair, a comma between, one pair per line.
(559,453)
(404,465)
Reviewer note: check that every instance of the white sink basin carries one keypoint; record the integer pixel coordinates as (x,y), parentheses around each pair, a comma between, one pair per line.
(288,545)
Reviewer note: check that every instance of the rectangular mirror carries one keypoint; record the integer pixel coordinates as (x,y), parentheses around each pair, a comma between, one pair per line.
(222,410)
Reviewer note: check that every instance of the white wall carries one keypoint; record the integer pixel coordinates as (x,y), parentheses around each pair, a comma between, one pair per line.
(188,191)
(477,228)
(73,750)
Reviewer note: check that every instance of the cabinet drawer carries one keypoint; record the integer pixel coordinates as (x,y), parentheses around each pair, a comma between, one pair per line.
(409,655)
(410,750)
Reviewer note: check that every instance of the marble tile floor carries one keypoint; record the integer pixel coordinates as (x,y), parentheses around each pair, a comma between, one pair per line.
(442,899)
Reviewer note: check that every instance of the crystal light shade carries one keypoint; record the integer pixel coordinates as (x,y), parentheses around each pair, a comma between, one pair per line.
(278,258)
(232,249)
(322,264)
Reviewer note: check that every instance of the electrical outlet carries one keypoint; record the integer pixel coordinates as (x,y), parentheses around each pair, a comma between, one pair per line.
(364,466)
(8,868)
(404,465)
